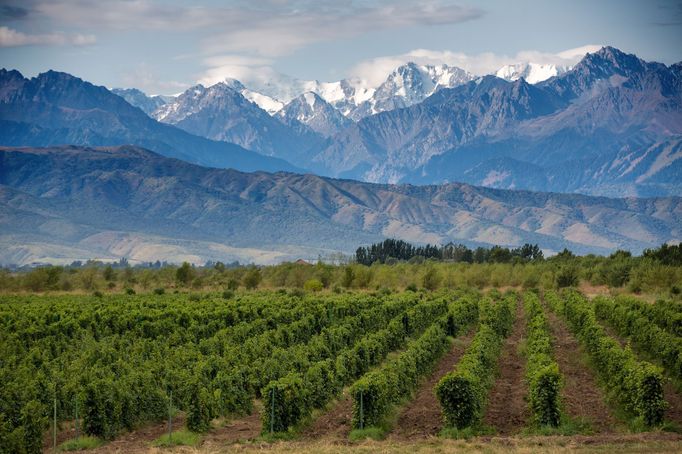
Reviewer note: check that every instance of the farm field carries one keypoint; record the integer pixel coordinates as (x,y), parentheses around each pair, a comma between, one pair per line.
(285,371)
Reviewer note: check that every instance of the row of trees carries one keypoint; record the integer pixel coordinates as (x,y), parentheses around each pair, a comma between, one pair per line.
(392,250)
(522,267)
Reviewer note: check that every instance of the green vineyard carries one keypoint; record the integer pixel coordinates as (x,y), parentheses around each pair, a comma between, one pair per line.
(110,365)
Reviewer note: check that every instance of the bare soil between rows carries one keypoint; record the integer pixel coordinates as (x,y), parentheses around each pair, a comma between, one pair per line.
(334,424)
(422,417)
(507,409)
(581,396)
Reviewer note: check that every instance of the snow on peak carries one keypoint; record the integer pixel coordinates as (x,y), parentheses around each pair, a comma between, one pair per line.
(531,72)
(265,102)
(309,98)
(410,84)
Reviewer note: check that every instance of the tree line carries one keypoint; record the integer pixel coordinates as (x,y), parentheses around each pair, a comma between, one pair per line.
(392,250)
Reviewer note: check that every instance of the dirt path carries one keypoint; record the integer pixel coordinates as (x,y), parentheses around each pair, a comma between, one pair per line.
(334,424)
(138,440)
(422,417)
(241,429)
(581,396)
(507,408)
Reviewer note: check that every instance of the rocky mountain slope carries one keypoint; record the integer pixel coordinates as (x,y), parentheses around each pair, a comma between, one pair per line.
(610,104)
(221,112)
(314,112)
(57,108)
(66,203)
(139,99)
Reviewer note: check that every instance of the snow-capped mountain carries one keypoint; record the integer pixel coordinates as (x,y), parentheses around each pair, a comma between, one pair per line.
(222,112)
(344,95)
(137,98)
(265,102)
(410,84)
(354,98)
(532,72)
(316,113)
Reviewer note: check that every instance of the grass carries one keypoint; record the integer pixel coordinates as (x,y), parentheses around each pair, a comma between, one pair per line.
(567,426)
(466,433)
(517,445)
(80,443)
(180,438)
(370,433)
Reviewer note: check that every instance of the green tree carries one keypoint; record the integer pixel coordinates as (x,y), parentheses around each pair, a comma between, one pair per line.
(567,276)
(252,278)
(185,274)
(348,277)
(313,285)
(109,273)
(232,284)
(431,279)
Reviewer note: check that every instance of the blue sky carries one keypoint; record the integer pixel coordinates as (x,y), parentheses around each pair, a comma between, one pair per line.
(165,46)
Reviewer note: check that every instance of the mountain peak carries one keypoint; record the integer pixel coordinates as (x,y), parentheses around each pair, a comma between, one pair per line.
(312,110)
(532,72)
(234,84)
(609,59)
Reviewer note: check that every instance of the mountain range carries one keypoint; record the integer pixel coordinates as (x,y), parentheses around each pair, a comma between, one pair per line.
(610,126)
(58,108)
(65,203)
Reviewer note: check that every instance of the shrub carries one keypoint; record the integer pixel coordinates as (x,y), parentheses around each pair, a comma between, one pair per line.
(184,274)
(34,423)
(199,413)
(159,291)
(542,372)
(313,285)
(285,402)
(567,276)
(431,279)
(463,393)
(252,278)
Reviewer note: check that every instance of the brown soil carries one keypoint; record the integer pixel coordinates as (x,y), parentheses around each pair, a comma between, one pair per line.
(581,396)
(334,424)
(66,430)
(242,429)
(139,440)
(507,408)
(422,417)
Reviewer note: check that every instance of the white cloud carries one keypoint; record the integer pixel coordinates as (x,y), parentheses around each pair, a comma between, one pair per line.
(258,71)
(265,27)
(282,32)
(13,38)
(145,78)
(375,70)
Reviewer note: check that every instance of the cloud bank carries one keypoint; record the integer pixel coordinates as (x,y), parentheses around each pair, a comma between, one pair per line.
(372,72)
(13,38)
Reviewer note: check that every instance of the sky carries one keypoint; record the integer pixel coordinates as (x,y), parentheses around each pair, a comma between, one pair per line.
(165,46)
